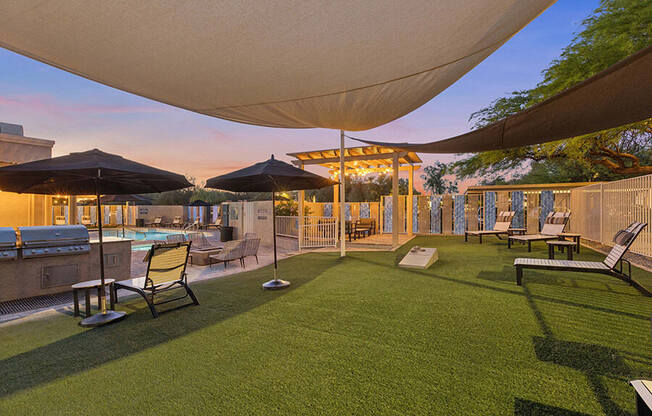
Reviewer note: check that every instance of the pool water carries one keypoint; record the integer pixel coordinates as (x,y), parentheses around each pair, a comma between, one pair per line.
(137,235)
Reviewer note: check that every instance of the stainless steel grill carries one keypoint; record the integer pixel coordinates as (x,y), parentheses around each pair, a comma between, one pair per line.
(8,249)
(54,241)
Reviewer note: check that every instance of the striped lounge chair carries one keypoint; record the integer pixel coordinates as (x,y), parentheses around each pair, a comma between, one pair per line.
(553,226)
(502,227)
(166,270)
(622,241)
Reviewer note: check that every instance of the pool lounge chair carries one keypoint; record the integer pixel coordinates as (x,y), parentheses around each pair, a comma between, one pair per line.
(217,224)
(166,270)
(502,227)
(553,226)
(176,222)
(158,221)
(622,241)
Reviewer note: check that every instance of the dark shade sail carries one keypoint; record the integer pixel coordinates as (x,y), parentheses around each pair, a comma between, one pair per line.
(123,199)
(619,95)
(269,176)
(77,174)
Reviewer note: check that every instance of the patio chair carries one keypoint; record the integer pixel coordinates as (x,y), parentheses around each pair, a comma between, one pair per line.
(623,240)
(502,227)
(176,238)
(158,221)
(233,250)
(201,249)
(176,222)
(252,243)
(217,224)
(60,220)
(86,220)
(554,225)
(166,270)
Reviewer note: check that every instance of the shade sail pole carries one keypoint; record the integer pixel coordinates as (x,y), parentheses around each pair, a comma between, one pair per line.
(342,197)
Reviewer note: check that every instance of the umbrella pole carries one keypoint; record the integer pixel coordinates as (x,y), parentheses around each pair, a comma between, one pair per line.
(276,283)
(104,317)
(274,233)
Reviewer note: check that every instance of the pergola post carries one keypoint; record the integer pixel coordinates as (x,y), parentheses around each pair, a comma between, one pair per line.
(302,197)
(342,197)
(410,201)
(395,199)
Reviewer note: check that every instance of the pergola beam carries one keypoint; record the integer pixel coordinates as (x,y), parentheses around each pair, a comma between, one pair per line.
(379,156)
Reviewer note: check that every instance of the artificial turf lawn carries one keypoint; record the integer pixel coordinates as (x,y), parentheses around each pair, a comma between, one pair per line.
(352,336)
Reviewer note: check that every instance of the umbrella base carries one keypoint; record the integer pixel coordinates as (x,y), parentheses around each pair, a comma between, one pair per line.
(100,319)
(276,284)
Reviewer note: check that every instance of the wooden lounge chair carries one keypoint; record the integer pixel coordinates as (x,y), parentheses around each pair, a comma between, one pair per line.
(166,270)
(158,221)
(60,220)
(553,226)
(233,250)
(623,240)
(502,227)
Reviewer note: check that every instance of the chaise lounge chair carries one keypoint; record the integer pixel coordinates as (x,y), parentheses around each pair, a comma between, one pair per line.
(553,226)
(623,240)
(502,227)
(166,270)
(158,221)
(176,222)
(217,224)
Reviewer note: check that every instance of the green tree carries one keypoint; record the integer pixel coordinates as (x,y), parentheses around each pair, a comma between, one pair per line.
(615,30)
(435,181)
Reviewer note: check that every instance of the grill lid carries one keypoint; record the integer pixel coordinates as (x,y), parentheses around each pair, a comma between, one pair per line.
(53,235)
(7,237)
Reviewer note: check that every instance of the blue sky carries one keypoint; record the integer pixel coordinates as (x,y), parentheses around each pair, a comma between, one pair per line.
(80,114)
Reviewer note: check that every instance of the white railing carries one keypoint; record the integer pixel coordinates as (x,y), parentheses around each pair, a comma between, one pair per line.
(318,232)
(314,231)
(600,210)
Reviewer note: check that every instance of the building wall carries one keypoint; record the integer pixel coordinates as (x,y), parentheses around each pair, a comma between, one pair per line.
(24,209)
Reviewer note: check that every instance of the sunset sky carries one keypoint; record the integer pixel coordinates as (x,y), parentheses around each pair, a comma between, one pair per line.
(80,114)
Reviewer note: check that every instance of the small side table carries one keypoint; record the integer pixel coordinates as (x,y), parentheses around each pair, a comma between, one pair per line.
(575,237)
(569,245)
(87,286)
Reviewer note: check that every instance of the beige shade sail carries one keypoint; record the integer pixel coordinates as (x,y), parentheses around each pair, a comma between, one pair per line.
(619,95)
(350,65)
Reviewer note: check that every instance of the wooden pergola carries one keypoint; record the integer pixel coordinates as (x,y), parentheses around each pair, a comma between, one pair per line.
(363,160)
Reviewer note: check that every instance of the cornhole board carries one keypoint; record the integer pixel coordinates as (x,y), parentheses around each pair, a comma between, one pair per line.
(420,258)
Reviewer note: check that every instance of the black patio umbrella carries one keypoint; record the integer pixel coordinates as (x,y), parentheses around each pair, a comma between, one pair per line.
(90,173)
(269,176)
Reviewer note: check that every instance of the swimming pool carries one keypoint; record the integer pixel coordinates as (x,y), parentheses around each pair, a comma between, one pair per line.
(138,235)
